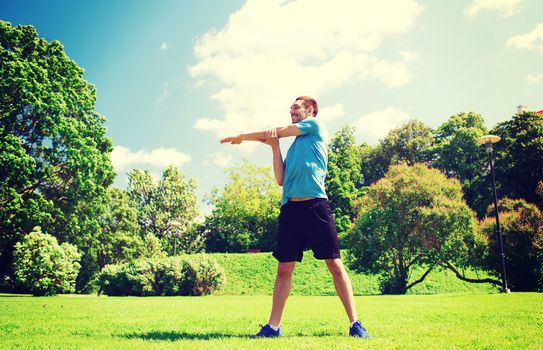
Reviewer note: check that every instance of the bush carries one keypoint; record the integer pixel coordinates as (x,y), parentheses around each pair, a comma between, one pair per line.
(206,275)
(140,276)
(184,275)
(173,277)
(112,280)
(43,267)
(521,226)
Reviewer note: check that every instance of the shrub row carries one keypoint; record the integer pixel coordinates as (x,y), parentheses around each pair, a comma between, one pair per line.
(181,275)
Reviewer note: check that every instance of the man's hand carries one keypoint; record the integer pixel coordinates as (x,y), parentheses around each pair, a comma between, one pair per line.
(271,137)
(234,140)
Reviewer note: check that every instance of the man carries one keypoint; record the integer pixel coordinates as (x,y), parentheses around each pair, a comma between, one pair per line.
(305,215)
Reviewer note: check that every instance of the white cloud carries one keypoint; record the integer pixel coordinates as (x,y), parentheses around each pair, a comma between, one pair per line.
(272,51)
(409,56)
(218,158)
(164,46)
(536,79)
(165,93)
(376,125)
(209,124)
(531,41)
(124,158)
(505,7)
(331,113)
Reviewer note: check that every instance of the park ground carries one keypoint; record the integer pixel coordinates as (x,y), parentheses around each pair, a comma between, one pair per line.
(441,321)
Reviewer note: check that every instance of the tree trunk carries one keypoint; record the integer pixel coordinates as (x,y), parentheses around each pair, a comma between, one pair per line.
(460,276)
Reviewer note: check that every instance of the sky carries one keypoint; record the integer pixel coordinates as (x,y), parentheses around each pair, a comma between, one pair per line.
(173,77)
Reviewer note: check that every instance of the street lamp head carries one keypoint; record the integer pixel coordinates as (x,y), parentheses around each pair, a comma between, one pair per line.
(483,140)
(488,140)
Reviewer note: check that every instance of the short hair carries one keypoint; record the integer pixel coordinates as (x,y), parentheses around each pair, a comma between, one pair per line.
(309,101)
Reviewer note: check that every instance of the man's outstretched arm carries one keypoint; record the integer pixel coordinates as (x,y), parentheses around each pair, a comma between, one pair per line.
(253,136)
(286,131)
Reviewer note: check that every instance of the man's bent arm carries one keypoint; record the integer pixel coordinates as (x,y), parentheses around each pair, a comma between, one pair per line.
(278,165)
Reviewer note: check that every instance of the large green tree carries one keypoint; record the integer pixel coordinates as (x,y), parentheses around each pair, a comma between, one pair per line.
(409,144)
(519,157)
(414,216)
(167,208)
(120,239)
(457,153)
(244,212)
(54,153)
(344,178)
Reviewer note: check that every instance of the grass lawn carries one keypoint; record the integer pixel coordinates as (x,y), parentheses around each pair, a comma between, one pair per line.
(444,321)
(254,274)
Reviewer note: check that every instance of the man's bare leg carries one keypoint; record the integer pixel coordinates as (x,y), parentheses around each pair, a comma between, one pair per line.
(343,286)
(281,291)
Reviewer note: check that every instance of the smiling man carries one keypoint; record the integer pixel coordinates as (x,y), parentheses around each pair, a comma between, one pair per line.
(305,216)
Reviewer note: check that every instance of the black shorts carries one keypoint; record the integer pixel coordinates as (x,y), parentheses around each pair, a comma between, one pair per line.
(306,223)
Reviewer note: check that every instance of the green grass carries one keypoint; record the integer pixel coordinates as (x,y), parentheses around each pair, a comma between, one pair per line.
(451,321)
(254,274)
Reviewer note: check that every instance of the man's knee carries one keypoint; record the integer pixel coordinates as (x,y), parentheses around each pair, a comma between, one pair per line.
(335,266)
(284,270)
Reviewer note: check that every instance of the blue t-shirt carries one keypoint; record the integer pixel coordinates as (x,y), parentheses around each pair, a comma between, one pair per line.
(306,162)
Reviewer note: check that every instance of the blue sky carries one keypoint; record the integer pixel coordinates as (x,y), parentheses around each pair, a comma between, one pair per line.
(174,76)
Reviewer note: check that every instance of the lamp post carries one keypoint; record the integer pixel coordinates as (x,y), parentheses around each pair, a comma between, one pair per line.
(175,224)
(488,141)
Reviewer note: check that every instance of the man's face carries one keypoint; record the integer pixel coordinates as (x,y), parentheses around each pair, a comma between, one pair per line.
(298,112)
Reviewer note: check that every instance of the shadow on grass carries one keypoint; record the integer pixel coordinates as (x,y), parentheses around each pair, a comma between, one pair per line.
(174,336)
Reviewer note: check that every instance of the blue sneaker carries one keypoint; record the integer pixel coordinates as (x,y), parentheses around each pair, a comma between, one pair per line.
(267,332)
(357,330)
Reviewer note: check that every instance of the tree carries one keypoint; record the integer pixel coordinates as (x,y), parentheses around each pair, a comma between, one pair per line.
(167,209)
(120,237)
(409,144)
(519,157)
(414,216)
(43,266)
(245,212)
(521,226)
(375,164)
(152,247)
(344,178)
(141,192)
(54,153)
(457,153)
